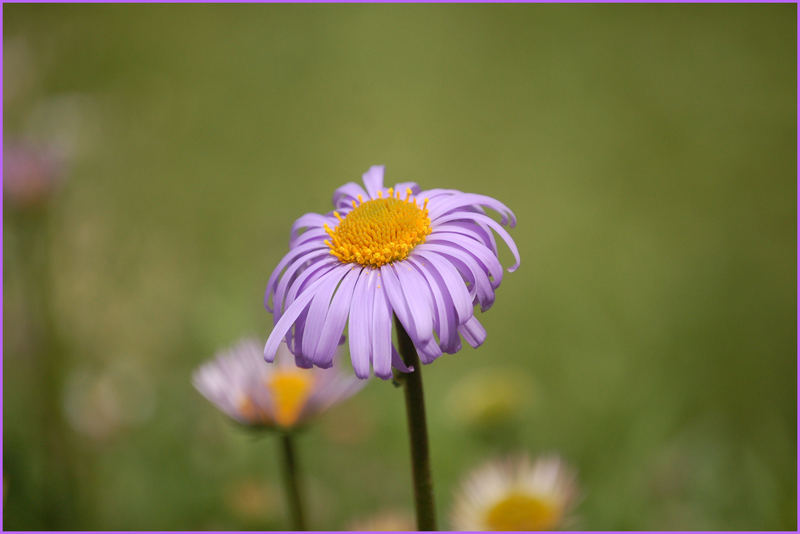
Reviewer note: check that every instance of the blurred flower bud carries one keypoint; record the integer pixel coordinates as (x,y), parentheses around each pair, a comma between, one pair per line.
(31,175)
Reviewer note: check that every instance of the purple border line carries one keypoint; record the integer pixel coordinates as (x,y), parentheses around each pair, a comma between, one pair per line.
(2,275)
(797,180)
(218,2)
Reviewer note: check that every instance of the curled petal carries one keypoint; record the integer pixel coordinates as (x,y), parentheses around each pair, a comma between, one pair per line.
(473,331)
(309,221)
(483,255)
(289,257)
(445,319)
(470,200)
(336,318)
(344,196)
(495,226)
(283,325)
(297,269)
(468,266)
(373,180)
(476,231)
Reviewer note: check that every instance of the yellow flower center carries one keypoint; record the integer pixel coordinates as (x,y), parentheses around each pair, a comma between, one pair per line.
(379,231)
(290,390)
(521,511)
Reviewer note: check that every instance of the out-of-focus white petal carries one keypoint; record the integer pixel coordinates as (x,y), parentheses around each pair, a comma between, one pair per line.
(280,394)
(516,494)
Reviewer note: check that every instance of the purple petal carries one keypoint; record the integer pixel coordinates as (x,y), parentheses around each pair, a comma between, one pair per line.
(409,301)
(309,236)
(361,322)
(456,288)
(284,298)
(345,195)
(428,351)
(459,258)
(373,180)
(473,230)
(417,293)
(402,186)
(304,264)
(467,200)
(440,194)
(473,331)
(302,363)
(398,363)
(289,257)
(487,260)
(317,313)
(294,339)
(310,221)
(297,307)
(494,225)
(446,320)
(335,319)
(381,335)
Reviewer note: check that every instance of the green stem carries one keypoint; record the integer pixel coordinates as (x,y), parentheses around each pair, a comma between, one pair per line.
(59,500)
(417,433)
(291,479)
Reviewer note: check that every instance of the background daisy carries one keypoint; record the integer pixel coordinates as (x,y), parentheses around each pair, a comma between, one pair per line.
(280,396)
(516,494)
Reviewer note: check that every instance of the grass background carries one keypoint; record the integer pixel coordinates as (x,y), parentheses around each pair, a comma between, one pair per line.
(648,151)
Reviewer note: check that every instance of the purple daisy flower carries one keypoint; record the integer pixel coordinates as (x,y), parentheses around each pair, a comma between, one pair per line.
(427,257)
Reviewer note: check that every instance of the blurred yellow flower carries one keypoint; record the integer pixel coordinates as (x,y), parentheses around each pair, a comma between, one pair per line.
(515,494)
(488,397)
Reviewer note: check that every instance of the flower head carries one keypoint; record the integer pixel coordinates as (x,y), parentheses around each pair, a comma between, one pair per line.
(30,175)
(254,393)
(515,495)
(426,257)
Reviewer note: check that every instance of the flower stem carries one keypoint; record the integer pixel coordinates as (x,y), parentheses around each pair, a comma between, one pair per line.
(59,499)
(417,433)
(291,479)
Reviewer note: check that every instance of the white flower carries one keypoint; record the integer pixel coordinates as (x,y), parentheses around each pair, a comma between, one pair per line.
(515,494)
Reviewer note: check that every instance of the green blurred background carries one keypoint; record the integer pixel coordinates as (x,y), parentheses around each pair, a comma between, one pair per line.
(648,337)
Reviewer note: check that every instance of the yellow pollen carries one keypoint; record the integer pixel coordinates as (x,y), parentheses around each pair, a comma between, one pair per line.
(523,511)
(290,390)
(380,231)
